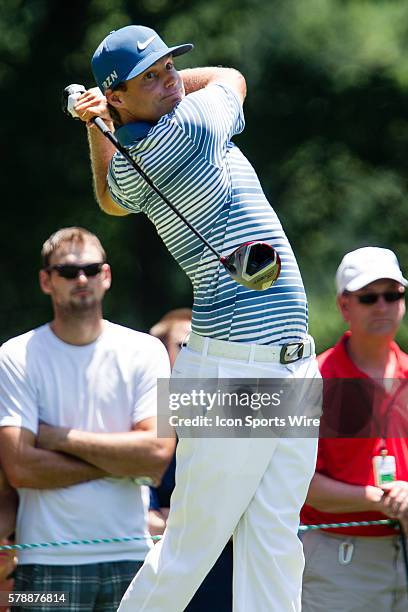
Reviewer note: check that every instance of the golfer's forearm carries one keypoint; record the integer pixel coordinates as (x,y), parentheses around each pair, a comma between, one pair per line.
(43,469)
(329,495)
(197,78)
(101,152)
(134,453)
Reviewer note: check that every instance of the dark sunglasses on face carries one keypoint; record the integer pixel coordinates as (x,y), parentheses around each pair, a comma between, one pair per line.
(71,271)
(372,298)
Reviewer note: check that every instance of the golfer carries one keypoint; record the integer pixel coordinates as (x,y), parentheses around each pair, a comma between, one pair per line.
(178,126)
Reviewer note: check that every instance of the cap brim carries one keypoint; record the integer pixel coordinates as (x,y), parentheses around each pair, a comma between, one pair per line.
(365,279)
(155,57)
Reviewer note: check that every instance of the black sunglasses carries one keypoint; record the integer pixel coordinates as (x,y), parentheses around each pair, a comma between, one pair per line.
(71,270)
(372,298)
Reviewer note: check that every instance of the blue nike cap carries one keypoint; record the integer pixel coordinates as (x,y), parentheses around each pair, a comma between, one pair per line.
(126,53)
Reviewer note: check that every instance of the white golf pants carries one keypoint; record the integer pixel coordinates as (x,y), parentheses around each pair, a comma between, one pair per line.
(251,488)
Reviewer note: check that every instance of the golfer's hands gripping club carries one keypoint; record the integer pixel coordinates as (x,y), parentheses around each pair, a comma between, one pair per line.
(86,105)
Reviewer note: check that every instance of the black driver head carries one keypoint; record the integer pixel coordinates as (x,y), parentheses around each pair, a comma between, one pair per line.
(255,265)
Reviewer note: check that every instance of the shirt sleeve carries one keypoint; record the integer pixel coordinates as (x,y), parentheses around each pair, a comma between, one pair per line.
(210,117)
(118,167)
(18,398)
(155,365)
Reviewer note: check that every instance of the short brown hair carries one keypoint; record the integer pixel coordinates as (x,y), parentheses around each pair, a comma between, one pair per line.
(68,234)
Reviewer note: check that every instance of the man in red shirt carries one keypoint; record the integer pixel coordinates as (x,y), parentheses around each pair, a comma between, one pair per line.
(364,478)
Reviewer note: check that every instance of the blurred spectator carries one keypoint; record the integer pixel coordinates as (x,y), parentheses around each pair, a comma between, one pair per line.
(77,427)
(173,330)
(8,508)
(361,569)
(215,593)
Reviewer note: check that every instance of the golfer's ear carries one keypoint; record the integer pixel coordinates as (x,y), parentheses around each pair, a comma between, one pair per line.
(114,97)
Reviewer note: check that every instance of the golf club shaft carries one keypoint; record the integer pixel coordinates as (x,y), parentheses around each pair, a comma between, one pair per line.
(100,124)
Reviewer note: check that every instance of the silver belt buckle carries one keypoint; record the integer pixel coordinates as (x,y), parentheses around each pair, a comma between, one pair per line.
(291,352)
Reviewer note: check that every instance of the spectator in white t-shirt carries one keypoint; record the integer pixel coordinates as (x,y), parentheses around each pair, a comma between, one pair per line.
(77,428)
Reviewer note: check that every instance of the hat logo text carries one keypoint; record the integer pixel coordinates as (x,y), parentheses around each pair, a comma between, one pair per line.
(141,46)
(109,79)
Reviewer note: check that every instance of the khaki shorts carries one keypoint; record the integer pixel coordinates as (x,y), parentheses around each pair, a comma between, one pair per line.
(353,574)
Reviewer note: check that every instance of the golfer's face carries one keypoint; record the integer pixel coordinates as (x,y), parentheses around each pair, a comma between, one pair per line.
(153,93)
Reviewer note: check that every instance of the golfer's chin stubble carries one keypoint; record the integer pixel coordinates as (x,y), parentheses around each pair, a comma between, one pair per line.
(168,105)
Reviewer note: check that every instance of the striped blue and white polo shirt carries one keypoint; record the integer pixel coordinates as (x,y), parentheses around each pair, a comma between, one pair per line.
(190,157)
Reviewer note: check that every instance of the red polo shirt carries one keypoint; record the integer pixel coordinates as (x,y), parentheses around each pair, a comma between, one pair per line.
(350,459)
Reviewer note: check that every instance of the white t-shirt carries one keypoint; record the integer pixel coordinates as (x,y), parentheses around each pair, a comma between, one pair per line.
(105,386)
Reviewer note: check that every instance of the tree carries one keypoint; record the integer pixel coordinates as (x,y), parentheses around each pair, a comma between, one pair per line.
(327,130)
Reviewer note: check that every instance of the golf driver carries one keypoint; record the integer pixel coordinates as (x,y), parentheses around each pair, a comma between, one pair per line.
(255,264)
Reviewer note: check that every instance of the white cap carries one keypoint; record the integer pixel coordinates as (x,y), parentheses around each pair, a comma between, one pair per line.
(364,266)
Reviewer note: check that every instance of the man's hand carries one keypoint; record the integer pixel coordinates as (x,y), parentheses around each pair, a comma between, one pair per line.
(394,502)
(330,495)
(55,438)
(8,561)
(91,104)
(50,436)
(28,466)
(134,454)
(156,523)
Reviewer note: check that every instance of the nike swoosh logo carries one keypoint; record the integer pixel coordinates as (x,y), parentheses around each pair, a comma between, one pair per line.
(293,351)
(142,45)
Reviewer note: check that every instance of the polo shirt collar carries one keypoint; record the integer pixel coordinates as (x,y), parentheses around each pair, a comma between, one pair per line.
(130,133)
(350,370)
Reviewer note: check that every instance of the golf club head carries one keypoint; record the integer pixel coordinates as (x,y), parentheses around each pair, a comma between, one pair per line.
(255,265)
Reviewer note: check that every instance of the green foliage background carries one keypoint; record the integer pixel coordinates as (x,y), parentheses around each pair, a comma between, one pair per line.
(327,130)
